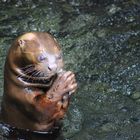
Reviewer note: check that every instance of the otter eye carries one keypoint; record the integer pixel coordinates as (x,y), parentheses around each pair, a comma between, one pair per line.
(41,58)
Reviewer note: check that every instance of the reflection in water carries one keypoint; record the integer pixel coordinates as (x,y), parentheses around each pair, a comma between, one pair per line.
(100,41)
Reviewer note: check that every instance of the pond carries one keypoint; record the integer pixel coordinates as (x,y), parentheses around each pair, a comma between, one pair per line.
(101,44)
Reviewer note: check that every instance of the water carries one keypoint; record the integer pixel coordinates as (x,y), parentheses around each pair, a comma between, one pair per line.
(101,44)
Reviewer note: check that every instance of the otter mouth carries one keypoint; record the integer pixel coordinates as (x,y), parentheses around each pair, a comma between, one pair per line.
(36,77)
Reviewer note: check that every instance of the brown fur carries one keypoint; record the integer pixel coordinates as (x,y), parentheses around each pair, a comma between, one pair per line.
(35,100)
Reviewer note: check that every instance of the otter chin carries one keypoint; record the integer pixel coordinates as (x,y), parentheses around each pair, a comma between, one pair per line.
(36,88)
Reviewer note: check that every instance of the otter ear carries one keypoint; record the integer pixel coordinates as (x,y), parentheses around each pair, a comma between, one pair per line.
(21,43)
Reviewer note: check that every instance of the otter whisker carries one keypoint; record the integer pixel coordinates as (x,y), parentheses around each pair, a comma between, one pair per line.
(34,74)
(28,66)
(30,70)
(39,74)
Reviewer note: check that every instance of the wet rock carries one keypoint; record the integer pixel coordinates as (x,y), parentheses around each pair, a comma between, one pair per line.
(113,9)
(100,41)
(136,96)
(108,127)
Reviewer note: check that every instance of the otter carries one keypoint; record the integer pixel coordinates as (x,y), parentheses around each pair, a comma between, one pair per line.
(36,88)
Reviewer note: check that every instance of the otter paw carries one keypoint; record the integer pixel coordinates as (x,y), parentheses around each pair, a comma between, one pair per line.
(65,83)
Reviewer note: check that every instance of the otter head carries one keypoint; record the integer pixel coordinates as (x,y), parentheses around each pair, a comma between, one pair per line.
(38,55)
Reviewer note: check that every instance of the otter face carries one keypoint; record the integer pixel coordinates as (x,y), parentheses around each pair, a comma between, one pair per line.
(49,63)
(42,56)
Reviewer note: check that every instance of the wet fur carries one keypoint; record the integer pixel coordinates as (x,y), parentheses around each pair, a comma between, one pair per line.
(36,95)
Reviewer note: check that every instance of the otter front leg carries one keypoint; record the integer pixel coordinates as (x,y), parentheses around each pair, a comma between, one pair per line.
(63,87)
(60,92)
(54,103)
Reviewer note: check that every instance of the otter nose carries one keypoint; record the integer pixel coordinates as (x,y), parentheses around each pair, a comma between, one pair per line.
(52,67)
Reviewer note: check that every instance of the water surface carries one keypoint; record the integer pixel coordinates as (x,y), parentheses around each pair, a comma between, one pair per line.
(101,44)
